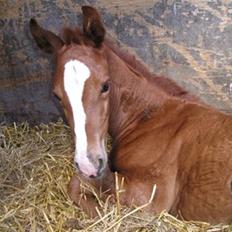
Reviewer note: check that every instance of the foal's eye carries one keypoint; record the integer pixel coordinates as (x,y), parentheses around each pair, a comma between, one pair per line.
(105,87)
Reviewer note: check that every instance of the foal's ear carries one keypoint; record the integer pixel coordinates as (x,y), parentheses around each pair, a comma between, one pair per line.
(46,40)
(92,25)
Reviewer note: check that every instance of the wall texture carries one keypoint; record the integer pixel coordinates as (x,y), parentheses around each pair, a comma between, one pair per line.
(189,41)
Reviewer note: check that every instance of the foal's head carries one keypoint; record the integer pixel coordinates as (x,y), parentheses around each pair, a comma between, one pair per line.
(81,83)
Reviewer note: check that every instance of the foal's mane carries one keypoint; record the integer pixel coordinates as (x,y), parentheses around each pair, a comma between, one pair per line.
(76,36)
(164,83)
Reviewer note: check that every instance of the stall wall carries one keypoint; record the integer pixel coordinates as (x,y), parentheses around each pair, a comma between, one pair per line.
(188,41)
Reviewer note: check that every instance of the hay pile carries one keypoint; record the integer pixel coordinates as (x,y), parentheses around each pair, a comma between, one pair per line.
(35,167)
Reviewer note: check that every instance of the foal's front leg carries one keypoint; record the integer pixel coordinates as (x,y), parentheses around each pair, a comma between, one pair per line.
(84,191)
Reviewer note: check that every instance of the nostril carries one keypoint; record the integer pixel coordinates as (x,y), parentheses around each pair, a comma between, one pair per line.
(76,164)
(100,164)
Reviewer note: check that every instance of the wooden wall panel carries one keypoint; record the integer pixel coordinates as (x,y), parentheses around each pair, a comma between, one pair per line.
(188,41)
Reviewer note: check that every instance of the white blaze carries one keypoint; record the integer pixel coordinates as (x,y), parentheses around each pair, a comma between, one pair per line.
(75,75)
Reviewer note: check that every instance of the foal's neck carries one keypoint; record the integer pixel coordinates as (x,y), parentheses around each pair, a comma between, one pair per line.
(132,97)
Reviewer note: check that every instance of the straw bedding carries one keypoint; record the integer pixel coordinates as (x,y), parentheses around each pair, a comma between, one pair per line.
(35,167)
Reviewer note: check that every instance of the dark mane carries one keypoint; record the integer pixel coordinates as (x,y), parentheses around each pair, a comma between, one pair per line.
(72,35)
(167,85)
(75,35)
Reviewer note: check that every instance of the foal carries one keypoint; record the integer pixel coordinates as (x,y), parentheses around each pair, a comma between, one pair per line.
(161,136)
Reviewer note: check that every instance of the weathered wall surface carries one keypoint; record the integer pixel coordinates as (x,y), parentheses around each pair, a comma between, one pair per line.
(189,41)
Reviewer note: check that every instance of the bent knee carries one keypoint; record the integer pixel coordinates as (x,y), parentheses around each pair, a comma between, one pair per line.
(74,188)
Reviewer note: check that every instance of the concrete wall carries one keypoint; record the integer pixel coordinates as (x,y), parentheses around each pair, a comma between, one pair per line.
(189,41)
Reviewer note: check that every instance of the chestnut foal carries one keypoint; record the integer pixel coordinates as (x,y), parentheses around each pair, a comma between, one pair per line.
(160,135)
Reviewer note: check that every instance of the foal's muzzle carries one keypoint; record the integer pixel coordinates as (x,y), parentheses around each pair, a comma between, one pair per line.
(93,168)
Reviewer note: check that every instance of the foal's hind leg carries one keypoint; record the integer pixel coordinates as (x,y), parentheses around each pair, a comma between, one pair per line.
(83,192)
(207,194)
